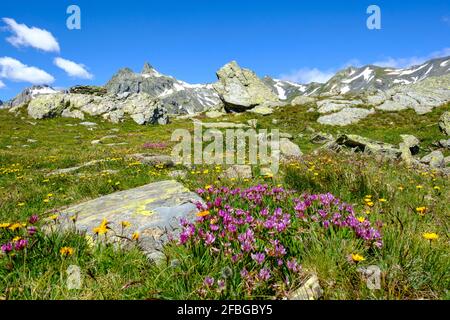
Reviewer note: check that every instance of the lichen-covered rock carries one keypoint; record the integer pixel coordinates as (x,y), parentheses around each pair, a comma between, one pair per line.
(241,89)
(46,106)
(153,210)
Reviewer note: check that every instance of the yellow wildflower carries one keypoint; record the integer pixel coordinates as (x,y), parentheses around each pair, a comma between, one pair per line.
(421,210)
(135,236)
(203,213)
(15,226)
(430,236)
(382,200)
(66,251)
(357,258)
(53,217)
(4,225)
(102,229)
(418,187)
(361,219)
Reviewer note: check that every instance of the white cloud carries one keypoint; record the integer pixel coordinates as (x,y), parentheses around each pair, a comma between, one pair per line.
(73,69)
(411,61)
(24,36)
(308,75)
(2,85)
(15,70)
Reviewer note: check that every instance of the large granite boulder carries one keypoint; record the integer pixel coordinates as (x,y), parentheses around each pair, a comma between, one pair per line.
(46,106)
(153,210)
(241,89)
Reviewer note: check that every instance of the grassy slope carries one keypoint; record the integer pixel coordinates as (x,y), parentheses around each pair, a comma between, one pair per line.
(411,270)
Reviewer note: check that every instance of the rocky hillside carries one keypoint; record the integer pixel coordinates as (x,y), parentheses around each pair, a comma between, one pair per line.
(352,94)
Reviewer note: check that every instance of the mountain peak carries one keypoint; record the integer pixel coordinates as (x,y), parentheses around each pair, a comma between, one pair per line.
(148,68)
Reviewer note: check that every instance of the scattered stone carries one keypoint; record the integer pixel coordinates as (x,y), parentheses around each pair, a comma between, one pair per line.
(214,114)
(310,290)
(274,121)
(447,160)
(321,138)
(362,144)
(301,100)
(88,124)
(434,159)
(391,106)
(345,117)
(411,142)
(286,135)
(153,160)
(238,171)
(31,140)
(262,110)
(94,142)
(289,149)
(108,137)
(154,211)
(444,143)
(444,123)
(72,169)
(332,105)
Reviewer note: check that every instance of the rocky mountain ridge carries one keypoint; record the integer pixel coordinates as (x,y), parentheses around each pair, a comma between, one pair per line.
(352,94)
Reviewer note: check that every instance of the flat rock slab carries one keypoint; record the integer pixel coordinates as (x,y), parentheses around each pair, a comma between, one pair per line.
(154,210)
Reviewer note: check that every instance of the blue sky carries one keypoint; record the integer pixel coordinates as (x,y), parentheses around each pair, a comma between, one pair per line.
(190,40)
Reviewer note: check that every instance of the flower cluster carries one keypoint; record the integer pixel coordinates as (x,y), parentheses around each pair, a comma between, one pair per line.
(254,228)
(18,234)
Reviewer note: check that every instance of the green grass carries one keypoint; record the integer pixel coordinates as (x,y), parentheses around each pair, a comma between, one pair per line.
(412,267)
